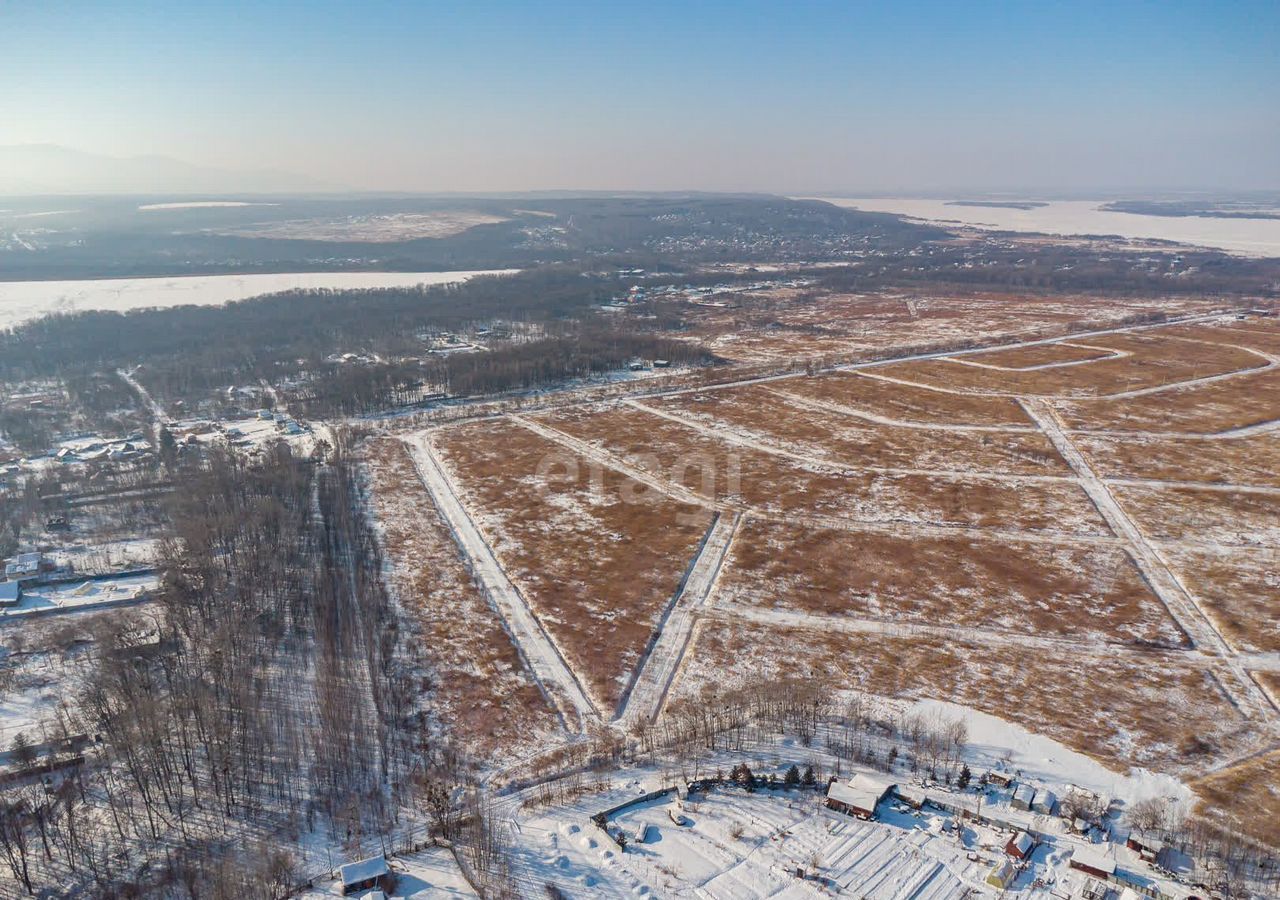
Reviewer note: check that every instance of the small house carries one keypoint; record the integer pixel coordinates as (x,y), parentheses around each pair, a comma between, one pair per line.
(1146,846)
(662,363)
(365,874)
(1046,801)
(1023,797)
(1003,875)
(1020,845)
(10,593)
(24,567)
(999,778)
(859,796)
(1094,860)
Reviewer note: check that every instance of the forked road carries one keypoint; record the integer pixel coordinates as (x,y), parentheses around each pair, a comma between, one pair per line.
(657,672)
(1243,691)
(541,654)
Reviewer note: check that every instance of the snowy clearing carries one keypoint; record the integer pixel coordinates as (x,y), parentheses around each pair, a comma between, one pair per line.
(1246,237)
(21,301)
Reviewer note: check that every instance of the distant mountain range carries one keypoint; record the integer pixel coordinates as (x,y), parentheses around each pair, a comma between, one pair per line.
(53,169)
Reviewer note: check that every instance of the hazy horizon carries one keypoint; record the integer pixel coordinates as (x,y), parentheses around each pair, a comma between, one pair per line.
(807,100)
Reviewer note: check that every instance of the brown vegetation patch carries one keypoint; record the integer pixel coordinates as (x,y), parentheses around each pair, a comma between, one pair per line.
(1253,460)
(1247,399)
(726,473)
(480,688)
(1095,592)
(1123,710)
(1245,797)
(905,402)
(1220,516)
(1154,360)
(1039,355)
(759,411)
(1240,591)
(597,557)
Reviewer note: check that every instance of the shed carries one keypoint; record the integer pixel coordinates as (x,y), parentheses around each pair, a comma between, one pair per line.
(1023,797)
(364,874)
(1003,875)
(1045,803)
(1148,847)
(10,593)
(1000,777)
(1094,859)
(859,796)
(1020,845)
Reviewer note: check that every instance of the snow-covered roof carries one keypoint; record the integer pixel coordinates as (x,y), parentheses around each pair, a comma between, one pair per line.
(861,791)
(1025,793)
(1046,799)
(1022,842)
(363,870)
(1094,856)
(10,591)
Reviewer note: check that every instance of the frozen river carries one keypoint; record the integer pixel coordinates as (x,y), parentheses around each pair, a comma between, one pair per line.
(1246,237)
(21,301)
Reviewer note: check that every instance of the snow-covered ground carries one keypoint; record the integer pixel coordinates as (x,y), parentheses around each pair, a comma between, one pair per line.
(731,843)
(1247,237)
(202,204)
(21,301)
(432,873)
(83,594)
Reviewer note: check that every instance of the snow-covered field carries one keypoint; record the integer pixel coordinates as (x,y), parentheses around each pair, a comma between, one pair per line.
(1247,237)
(21,301)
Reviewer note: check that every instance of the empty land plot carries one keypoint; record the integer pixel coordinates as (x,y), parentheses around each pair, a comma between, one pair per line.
(1041,355)
(1248,399)
(759,412)
(1120,710)
(1239,591)
(1252,460)
(597,558)
(1245,797)
(1094,592)
(1153,360)
(906,403)
(1219,516)
(723,472)
(1256,334)
(479,685)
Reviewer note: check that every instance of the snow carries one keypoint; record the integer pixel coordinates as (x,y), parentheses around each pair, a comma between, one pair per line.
(1246,237)
(21,301)
(202,204)
(432,873)
(992,741)
(84,594)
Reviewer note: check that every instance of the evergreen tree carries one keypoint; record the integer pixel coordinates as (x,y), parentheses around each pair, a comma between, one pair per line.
(809,779)
(792,778)
(965,777)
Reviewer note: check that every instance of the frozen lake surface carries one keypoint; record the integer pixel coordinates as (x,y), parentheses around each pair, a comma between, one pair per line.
(21,301)
(1246,237)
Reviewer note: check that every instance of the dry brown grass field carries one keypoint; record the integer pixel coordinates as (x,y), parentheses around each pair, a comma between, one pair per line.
(1242,461)
(1245,797)
(1116,708)
(1241,591)
(478,683)
(597,570)
(906,403)
(1054,354)
(761,411)
(1154,360)
(783,487)
(1237,402)
(1094,592)
(1189,514)
(787,322)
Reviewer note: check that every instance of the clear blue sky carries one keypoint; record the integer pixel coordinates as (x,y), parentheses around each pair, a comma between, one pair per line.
(794,97)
